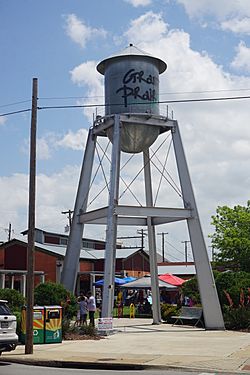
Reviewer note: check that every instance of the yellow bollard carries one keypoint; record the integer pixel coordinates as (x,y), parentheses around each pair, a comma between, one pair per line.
(132,310)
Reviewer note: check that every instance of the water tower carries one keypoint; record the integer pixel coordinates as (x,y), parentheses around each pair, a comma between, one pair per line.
(133,122)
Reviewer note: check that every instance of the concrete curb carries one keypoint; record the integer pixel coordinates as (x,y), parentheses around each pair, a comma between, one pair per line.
(112,366)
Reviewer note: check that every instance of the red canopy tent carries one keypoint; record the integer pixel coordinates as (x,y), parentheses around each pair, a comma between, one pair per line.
(171,279)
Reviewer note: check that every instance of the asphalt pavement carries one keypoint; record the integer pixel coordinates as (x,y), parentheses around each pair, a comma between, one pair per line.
(138,344)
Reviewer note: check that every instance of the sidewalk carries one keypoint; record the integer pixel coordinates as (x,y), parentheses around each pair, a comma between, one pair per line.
(137,344)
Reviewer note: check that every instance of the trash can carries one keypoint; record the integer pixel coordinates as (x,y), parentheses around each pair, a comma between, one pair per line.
(53,324)
(38,325)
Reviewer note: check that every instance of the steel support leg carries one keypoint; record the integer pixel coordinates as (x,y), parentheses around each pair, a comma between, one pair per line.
(71,261)
(209,297)
(152,243)
(111,232)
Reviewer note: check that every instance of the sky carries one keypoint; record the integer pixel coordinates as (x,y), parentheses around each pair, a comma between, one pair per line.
(206,45)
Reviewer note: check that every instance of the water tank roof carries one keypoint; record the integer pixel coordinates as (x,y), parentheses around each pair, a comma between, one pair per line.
(131,50)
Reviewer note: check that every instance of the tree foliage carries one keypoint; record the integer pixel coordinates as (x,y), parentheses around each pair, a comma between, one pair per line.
(232,237)
(191,290)
(233,283)
(14,298)
(55,294)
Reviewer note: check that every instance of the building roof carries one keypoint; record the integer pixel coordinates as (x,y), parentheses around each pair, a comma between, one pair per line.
(120,253)
(60,234)
(86,253)
(181,269)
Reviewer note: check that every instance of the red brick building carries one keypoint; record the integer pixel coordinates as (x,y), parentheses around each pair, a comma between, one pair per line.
(50,250)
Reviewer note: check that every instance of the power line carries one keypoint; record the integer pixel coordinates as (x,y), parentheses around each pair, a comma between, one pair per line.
(200,100)
(172,256)
(102,96)
(15,112)
(15,103)
(202,92)
(70,97)
(161,93)
(159,102)
(174,247)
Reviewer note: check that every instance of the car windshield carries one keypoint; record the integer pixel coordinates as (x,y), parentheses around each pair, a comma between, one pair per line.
(4,309)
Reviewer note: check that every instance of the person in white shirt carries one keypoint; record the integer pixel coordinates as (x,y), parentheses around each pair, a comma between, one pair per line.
(91,308)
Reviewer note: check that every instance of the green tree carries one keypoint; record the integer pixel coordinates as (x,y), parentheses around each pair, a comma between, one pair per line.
(55,294)
(232,237)
(232,283)
(191,290)
(14,298)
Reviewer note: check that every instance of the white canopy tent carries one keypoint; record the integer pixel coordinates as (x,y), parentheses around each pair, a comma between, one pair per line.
(145,283)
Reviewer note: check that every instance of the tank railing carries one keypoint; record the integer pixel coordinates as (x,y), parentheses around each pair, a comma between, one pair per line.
(162,110)
(166,111)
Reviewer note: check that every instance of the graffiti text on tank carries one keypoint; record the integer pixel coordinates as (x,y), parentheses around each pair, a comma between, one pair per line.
(133,76)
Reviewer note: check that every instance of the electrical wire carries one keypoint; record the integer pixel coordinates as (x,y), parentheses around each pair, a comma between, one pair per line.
(102,96)
(15,112)
(11,104)
(169,243)
(202,92)
(161,93)
(198,100)
(72,97)
(158,102)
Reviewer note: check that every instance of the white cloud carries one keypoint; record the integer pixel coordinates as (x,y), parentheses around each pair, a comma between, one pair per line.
(81,33)
(74,141)
(86,75)
(242,147)
(50,142)
(230,15)
(44,146)
(137,3)
(147,28)
(43,150)
(216,154)
(2,120)
(242,59)
(236,25)
(53,194)
(220,9)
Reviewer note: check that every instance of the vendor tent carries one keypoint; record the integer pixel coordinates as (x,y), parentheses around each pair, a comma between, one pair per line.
(118,281)
(128,279)
(172,279)
(145,283)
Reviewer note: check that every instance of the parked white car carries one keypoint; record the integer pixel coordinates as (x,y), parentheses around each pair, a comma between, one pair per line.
(8,336)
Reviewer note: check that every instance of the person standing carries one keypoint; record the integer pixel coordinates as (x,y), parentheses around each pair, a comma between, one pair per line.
(83,310)
(91,308)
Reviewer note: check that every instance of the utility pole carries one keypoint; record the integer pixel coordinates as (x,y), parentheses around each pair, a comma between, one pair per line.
(31,224)
(9,232)
(69,212)
(212,253)
(126,238)
(185,250)
(162,234)
(143,233)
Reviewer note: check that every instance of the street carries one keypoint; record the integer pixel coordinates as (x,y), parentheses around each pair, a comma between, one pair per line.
(17,369)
